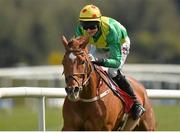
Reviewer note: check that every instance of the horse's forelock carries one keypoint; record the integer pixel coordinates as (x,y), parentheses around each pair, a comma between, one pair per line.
(83,41)
(73,43)
(77,44)
(80,41)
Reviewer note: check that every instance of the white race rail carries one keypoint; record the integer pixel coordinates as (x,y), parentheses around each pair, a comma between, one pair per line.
(38,92)
(42,92)
(143,72)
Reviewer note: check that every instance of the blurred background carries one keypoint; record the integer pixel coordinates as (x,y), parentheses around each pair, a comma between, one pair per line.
(31,53)
(29,30)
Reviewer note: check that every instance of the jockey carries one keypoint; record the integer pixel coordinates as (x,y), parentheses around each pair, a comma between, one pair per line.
(109,47)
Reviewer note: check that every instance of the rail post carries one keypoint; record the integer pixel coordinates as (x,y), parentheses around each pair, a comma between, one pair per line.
(42,115)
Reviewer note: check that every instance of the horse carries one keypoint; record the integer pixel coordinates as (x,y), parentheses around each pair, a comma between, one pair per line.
(90,104)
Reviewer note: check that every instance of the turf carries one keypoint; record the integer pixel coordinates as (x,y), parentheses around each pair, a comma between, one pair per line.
(168,117)
(26,118)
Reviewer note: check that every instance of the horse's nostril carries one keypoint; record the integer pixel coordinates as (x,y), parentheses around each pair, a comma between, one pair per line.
(68,90)
(76,89)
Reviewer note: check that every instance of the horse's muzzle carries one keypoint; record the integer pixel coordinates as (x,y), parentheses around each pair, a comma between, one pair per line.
(73,93)
(71,90)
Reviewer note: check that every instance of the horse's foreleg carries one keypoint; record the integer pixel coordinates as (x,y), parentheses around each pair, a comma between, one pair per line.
(71,124)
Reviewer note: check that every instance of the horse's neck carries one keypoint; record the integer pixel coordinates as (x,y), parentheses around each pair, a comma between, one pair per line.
(91,89)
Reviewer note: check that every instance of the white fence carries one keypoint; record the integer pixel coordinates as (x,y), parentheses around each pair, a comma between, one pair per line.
(143,72)
(43,92)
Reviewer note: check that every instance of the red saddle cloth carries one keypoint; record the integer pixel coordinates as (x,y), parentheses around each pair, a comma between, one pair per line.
(126,99)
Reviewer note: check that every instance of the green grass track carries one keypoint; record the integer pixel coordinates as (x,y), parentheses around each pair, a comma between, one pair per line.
(26,118)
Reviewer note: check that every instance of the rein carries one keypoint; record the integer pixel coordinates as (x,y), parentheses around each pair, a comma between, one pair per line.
(102,94)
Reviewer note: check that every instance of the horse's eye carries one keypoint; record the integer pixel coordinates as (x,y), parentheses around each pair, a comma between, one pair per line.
(82,62)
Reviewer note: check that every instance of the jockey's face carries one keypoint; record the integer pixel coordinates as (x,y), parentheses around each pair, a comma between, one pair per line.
(91,27)
(92,32)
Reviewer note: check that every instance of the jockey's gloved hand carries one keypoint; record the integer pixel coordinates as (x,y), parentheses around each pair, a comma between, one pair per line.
(91,57)
(99,62)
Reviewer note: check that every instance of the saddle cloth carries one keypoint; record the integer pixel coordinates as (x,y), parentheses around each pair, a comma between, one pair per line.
(126,99)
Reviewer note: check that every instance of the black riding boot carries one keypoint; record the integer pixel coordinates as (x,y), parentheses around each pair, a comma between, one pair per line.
(137,109)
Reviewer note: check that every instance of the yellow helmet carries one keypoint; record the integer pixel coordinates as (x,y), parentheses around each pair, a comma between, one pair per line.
(90,13)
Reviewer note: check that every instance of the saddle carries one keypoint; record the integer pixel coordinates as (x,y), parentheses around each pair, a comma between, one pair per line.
(125,98)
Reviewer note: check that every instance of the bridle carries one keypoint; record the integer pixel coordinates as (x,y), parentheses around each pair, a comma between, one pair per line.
(86,77)
(86,73)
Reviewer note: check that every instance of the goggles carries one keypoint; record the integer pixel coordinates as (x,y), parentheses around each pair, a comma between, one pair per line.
(89,24)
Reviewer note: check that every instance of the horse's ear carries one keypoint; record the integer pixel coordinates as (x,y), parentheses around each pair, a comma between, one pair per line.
(85,41)
(64,41)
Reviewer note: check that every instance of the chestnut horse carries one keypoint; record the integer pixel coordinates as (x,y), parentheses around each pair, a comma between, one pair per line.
(90,104)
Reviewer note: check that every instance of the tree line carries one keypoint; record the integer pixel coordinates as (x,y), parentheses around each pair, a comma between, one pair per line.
(30,29)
